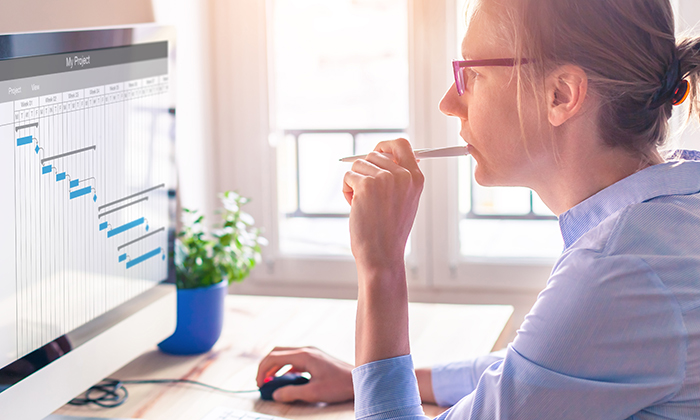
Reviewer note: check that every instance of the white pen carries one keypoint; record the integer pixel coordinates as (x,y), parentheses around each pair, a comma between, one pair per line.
(425,153)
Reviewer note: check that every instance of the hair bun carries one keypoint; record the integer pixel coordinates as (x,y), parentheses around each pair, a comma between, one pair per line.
(670,87)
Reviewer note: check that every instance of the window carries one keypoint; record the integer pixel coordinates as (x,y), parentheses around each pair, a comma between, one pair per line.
(235,139)
(499,222)
(339,84)
(465,237)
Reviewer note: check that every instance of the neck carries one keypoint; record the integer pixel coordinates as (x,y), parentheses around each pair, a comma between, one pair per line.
(581,171)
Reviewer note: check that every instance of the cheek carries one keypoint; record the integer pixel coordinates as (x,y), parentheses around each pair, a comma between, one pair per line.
(496,123)
(494,113)
(499,148)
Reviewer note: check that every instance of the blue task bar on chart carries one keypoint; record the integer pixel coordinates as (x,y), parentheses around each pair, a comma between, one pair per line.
(46,169)
(74,183)
(143,258)
(122,257)
(81,192)
(124,228)
(61,176)
(24,140)
(103,225)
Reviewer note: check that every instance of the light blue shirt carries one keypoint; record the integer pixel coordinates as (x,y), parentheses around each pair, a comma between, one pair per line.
(614,335)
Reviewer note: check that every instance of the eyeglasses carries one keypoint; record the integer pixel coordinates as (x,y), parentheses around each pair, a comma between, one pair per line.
(459,65)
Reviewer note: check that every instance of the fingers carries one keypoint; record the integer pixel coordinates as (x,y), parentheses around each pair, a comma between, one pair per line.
(394,156)
(288,394)
(274,361)
(387,155)
(331,379)
(401,151)
(351,178)
(374,165)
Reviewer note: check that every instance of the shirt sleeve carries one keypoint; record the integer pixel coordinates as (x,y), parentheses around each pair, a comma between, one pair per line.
(387,389)
(454,381)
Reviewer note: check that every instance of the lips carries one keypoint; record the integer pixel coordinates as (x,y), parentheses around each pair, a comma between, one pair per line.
(464,134)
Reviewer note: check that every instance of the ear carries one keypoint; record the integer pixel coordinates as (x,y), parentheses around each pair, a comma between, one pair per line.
(567,87)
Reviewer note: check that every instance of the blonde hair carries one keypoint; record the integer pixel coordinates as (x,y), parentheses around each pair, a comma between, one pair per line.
(629,52)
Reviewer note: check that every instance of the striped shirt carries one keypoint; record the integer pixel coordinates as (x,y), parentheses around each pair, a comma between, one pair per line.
(614,335)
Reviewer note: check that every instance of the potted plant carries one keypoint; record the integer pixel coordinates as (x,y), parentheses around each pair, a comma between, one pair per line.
(205,264)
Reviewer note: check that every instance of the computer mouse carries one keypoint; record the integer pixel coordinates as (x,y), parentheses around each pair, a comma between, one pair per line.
(275,382)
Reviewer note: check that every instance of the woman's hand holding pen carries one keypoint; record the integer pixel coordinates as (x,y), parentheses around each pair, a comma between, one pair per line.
(383,191)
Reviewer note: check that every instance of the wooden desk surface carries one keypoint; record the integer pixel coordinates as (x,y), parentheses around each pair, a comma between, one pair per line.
(256,324)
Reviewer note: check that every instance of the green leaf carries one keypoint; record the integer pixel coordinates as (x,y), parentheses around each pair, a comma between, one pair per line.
(232,250)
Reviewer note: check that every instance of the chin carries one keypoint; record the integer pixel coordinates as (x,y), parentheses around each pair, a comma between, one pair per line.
(485,178)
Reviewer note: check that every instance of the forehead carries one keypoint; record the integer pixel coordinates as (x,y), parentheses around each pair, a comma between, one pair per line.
(487,31)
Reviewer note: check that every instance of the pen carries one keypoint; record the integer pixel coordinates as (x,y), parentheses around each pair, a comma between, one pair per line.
(424,153)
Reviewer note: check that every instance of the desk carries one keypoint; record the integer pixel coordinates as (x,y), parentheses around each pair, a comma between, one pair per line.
(255,324)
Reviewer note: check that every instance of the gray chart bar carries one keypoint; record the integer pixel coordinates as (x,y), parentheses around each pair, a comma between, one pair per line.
(131,196)
(68,153)
(138,239)
(121,207)
(21,127)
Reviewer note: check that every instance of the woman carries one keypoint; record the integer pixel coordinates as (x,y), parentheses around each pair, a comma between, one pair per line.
(576,107)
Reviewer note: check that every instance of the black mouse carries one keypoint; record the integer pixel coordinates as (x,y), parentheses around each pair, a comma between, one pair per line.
(279,381)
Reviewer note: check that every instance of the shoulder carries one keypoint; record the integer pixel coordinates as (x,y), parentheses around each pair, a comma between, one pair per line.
(611,310)
(666,225)
(646,246)
(613,270)
(605,316)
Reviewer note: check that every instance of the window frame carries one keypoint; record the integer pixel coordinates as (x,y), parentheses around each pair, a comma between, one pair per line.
(242,110)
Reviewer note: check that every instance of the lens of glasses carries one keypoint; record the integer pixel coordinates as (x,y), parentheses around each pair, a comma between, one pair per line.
(459,77)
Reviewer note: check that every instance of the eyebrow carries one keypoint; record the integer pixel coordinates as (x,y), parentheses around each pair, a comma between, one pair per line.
(463,49)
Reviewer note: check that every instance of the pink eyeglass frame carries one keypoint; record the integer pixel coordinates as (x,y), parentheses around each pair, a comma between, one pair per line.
(458,65)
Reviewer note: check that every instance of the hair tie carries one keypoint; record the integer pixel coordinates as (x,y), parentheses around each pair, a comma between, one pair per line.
(672,87)
(681,93)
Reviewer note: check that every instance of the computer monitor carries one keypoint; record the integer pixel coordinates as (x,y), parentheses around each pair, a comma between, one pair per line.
(86,218)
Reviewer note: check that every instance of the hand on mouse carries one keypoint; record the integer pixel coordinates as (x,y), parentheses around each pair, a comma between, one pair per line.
(331,379)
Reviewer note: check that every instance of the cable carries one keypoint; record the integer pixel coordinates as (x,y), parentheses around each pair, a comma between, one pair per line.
(111,393)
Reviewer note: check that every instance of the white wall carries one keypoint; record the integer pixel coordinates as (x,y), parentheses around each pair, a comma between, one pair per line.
(43,15)
(195,122)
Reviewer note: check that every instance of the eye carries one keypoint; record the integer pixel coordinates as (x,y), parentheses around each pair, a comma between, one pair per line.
(470,76)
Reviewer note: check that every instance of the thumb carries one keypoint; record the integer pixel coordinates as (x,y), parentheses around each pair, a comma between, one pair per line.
(291,393)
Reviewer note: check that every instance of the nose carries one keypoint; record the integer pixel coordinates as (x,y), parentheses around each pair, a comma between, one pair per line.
(452,104)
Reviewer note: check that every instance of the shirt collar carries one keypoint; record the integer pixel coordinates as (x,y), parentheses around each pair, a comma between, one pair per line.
(680,176)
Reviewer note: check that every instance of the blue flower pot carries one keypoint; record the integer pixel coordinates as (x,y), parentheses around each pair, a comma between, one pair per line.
(200,317)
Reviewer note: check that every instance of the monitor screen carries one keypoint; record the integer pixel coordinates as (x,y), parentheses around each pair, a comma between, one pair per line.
(86,182)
